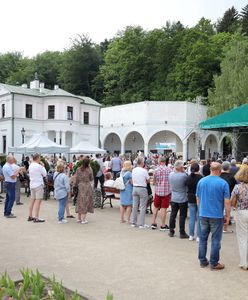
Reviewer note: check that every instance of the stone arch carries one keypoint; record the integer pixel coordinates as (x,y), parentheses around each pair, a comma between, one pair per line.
(112,143)
(225,145)
(207,135)
(211,145)
(134,142)
(165,136)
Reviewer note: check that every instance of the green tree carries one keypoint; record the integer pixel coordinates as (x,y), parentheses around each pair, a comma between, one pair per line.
(23,73)
(80,65)
(230,87)
(193,65)
(244,19)
(229,22)
(48,66)
(9,62)
(166,43)
(123,71)
(197,60)
(137,62)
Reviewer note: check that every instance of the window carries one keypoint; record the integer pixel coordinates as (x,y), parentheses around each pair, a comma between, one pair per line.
(3,110)
(51,111)
(69,113)
(4,144)
(86,117)
(29,111)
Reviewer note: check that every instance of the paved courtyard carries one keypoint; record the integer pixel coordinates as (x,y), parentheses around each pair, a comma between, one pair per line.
(105,255)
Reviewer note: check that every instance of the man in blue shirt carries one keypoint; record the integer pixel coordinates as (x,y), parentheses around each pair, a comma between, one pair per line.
(116,165)
(10,182)
(212,197)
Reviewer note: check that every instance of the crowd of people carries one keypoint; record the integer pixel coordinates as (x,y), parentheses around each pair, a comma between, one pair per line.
(207,189)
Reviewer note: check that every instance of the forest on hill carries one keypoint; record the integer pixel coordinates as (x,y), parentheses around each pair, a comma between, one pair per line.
(170,63)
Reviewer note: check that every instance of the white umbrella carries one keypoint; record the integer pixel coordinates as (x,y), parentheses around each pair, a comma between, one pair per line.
(39,143)
(84,147)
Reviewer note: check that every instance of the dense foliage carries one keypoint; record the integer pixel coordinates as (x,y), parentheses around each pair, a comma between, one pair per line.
(231,88)
(169,63)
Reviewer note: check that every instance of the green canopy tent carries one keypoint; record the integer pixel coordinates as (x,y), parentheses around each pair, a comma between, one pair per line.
(236,118)
(234,121)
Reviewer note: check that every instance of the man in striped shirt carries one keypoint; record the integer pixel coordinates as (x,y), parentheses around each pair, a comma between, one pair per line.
(162,193)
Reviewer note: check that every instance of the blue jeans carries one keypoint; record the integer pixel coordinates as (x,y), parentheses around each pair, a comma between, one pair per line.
(62,204)
(10,197)
(215,227)
(193,218)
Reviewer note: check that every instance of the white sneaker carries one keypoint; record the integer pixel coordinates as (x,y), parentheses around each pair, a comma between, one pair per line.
(191,238)
(84,222)
(144,226)
(62,221)
(133,225)
(198,240)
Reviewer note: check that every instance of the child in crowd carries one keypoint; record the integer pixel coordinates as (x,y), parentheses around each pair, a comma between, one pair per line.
(109,182)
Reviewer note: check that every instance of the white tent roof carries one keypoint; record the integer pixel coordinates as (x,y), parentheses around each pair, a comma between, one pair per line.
(84,147)
(39,143)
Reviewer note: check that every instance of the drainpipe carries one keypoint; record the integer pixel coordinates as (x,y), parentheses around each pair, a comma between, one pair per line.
(13,119)
(99,125)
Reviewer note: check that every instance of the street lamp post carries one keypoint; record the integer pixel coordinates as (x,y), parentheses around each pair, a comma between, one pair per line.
(23,140)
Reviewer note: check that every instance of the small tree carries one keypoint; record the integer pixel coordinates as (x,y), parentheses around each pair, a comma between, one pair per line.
(229,21)
(244,19)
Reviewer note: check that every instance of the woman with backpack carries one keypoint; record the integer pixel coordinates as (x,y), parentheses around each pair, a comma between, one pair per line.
(61,190)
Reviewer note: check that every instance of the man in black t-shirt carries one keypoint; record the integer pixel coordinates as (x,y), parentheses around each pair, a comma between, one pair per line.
(26,163)
(206,168)
(229,178)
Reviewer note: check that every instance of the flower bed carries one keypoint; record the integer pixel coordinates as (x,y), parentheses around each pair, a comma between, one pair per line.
(34,286)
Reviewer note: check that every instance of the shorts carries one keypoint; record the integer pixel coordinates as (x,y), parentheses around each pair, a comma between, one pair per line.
(162,201)
(37,193)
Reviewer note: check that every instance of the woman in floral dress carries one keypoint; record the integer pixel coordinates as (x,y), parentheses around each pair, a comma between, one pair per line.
(240,201)
(84,182)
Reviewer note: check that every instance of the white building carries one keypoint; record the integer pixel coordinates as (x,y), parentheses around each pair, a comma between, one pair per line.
(150,125)
(66,118)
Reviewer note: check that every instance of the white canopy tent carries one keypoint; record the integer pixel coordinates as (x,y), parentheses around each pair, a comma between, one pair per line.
(84,147)
(39,143)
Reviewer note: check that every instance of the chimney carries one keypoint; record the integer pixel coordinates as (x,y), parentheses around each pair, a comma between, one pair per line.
(24,85)
(35,84)
(56,87)
(42,86)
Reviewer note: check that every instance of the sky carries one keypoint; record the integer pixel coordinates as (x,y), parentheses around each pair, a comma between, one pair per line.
(32,26)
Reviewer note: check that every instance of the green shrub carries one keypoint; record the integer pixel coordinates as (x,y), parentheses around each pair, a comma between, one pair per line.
(46,164)
(93,164)
(2,159)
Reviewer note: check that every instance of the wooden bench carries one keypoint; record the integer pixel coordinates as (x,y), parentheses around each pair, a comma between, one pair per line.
(115,195)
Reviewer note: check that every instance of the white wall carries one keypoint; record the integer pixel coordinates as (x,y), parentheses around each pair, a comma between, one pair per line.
(73,130)
(179,118)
